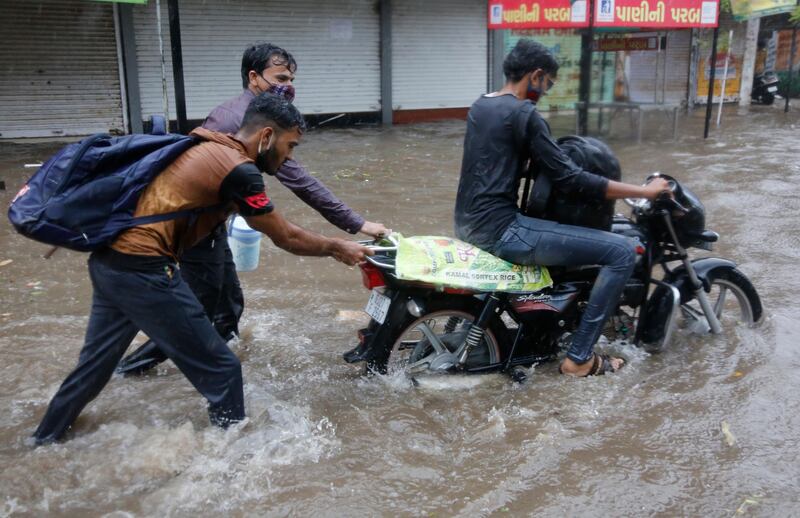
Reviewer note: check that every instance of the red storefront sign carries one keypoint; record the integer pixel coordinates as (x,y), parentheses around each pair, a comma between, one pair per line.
(620,44)
(656,14)
(538,14)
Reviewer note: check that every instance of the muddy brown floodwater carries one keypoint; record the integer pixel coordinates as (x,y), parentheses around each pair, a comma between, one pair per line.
(710,427)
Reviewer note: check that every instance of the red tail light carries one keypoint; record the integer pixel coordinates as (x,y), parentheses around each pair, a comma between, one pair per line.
(371,276)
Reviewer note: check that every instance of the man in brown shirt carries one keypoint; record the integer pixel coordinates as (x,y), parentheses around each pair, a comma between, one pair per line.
(208,266)
(137,285)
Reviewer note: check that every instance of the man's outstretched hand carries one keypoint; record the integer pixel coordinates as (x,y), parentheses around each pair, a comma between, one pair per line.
(349,252)
(374,229)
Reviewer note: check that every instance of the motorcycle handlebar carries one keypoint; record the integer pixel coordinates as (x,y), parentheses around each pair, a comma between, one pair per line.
(668,201)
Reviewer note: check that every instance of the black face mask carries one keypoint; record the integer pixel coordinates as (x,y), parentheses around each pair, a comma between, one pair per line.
(262,158)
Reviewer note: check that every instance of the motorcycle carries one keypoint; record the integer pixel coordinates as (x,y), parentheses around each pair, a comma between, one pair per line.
(765,87)
(418,327)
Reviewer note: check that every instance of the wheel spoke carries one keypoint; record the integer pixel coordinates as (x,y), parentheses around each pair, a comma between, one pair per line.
(689,311)
(407,344)
(419,365)
(431,336)
(723,291)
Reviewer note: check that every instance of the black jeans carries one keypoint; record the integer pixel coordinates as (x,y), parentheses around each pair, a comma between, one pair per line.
(230,300)
(537,241)
(209,269)
(158,302)
(210,272)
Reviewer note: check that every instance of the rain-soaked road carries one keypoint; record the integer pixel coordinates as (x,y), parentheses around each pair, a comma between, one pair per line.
(323,440)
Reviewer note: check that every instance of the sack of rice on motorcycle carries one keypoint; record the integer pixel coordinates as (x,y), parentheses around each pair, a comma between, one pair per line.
(449,262)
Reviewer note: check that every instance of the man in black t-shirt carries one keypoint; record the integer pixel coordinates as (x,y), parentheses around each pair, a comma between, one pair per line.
(504,133)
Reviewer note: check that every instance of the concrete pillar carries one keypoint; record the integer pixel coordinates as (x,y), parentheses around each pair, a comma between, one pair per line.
(386,61)
(130,68)
(498,55)
(749,61)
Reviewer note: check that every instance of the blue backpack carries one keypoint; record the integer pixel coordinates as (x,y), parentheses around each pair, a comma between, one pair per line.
(86,194)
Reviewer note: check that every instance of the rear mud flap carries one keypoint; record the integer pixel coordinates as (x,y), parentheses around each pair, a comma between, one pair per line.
(376,340)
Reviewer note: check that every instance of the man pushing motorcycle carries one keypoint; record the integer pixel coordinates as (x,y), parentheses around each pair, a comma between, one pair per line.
(504,134)
(208,266)
(136,282)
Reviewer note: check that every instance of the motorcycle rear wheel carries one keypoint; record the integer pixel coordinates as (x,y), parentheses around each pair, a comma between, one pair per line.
(733,297)
(413,351)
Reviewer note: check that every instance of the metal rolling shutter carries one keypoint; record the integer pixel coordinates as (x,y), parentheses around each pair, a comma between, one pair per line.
(644,86)
(661,78)
(59,71)
(439,53)
(676,71)
(336,45)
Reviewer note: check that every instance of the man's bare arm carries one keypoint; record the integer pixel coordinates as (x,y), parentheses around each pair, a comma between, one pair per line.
(299,241)
(618,190)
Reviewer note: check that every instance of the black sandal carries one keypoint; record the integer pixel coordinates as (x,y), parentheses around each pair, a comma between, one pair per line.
(601,363)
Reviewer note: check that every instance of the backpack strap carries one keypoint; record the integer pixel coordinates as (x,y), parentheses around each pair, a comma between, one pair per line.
(157,218)
(534,200)
(523,204)
(540,194)
(529,173)
(158,125)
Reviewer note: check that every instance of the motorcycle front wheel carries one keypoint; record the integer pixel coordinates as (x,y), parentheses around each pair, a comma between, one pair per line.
(433,342)
(732,296)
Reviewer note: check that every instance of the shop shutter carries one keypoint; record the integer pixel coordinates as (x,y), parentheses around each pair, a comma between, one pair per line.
(336,45)
(59,70)
(661,76)
(644,76)
(675,73)
(439,53)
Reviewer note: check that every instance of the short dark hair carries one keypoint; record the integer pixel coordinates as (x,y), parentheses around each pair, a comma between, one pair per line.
(527,56)
(266,108)
(259,57)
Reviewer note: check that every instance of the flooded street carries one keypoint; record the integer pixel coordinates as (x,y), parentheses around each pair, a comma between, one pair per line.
(710,427)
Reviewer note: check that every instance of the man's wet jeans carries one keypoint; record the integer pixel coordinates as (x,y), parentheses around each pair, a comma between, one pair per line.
(158,302)
(209,270)
(230,304)
(536,241)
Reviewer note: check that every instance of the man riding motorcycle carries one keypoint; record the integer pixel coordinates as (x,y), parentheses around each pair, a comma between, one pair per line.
(504,134)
